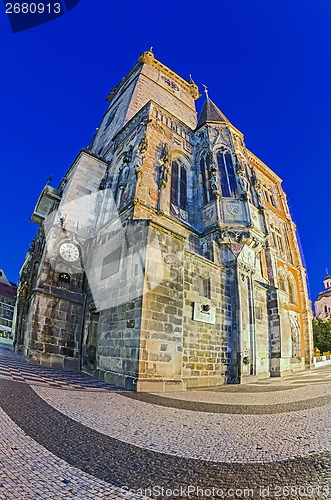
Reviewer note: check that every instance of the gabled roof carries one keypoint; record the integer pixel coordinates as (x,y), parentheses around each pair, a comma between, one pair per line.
(211,113)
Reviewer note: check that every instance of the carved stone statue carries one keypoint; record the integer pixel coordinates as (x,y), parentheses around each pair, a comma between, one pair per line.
(128,155)
(259,194)
(243,182)
(165,155)
(242,179)
(124,175)
(214,180)
(141,154)
(164,167)
(258,189)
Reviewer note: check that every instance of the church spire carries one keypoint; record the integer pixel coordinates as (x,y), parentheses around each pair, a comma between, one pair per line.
(210,112)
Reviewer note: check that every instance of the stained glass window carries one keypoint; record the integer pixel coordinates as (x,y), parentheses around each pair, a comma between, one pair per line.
(178,196)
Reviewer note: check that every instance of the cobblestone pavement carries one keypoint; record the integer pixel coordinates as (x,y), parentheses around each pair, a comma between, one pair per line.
(65,435)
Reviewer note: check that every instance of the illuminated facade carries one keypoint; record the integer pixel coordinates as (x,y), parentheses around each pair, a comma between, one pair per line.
(167,258)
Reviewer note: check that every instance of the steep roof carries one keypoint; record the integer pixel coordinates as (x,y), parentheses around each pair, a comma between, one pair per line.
(211,113)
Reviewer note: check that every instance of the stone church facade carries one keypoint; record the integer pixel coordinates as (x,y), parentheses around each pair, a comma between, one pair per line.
(167,257)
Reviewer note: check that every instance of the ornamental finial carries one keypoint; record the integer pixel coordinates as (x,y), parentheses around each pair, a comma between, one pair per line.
(206,91)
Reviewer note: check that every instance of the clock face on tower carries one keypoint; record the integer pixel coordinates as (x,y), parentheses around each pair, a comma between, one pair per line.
(69,252)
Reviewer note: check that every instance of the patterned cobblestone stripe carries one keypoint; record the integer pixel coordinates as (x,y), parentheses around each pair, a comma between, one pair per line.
(205,436)
(29,471)
(155,399)
(122,464)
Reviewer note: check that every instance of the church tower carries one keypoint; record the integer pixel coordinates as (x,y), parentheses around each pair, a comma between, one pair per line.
(167,258)
(323,302)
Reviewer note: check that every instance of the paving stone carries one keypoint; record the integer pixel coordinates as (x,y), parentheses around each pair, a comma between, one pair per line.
(81,441)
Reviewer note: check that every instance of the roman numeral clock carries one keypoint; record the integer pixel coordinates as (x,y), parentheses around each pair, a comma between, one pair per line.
(67,264)
(69,252)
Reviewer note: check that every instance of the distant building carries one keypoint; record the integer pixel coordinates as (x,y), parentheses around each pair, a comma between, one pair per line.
(167,258)
(7,304)
(323,302)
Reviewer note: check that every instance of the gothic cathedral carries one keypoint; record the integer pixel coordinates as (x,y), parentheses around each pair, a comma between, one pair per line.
(167,257)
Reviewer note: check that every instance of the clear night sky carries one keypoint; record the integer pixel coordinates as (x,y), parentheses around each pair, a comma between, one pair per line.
(266,65)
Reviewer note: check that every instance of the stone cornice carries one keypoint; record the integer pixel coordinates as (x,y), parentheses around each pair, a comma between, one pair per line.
(263,167)
(191,88)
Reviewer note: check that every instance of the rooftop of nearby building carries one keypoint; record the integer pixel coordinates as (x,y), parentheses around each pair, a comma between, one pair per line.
(8,291)
(7,288)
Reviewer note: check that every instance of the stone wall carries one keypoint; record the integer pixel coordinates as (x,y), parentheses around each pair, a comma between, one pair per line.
(56,328)
(206,330)
(162,314)
(117,260)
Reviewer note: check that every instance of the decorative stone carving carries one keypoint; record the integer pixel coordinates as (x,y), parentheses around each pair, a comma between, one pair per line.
(245,268)
(242,180)
(214,180)
(171,261)
(141,155)
(124,175)
(240,237)
(257,185)
(147,57)
(232,209)
(164,166)
(236,237)
(194,89)
(128,155)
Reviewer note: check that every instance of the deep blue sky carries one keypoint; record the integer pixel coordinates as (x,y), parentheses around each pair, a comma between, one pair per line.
(266,64)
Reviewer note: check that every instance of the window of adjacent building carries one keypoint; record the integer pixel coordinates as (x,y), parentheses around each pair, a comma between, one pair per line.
(205,288)
(205,178)
(229,186)
(326,309)
(178,185)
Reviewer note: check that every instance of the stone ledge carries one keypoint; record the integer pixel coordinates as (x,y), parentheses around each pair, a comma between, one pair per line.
(160,385)
(193,382)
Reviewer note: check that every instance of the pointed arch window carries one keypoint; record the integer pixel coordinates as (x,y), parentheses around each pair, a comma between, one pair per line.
(178,197)
(281,282)
(205,161)
(290,293)
(227,175)
(292,297)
